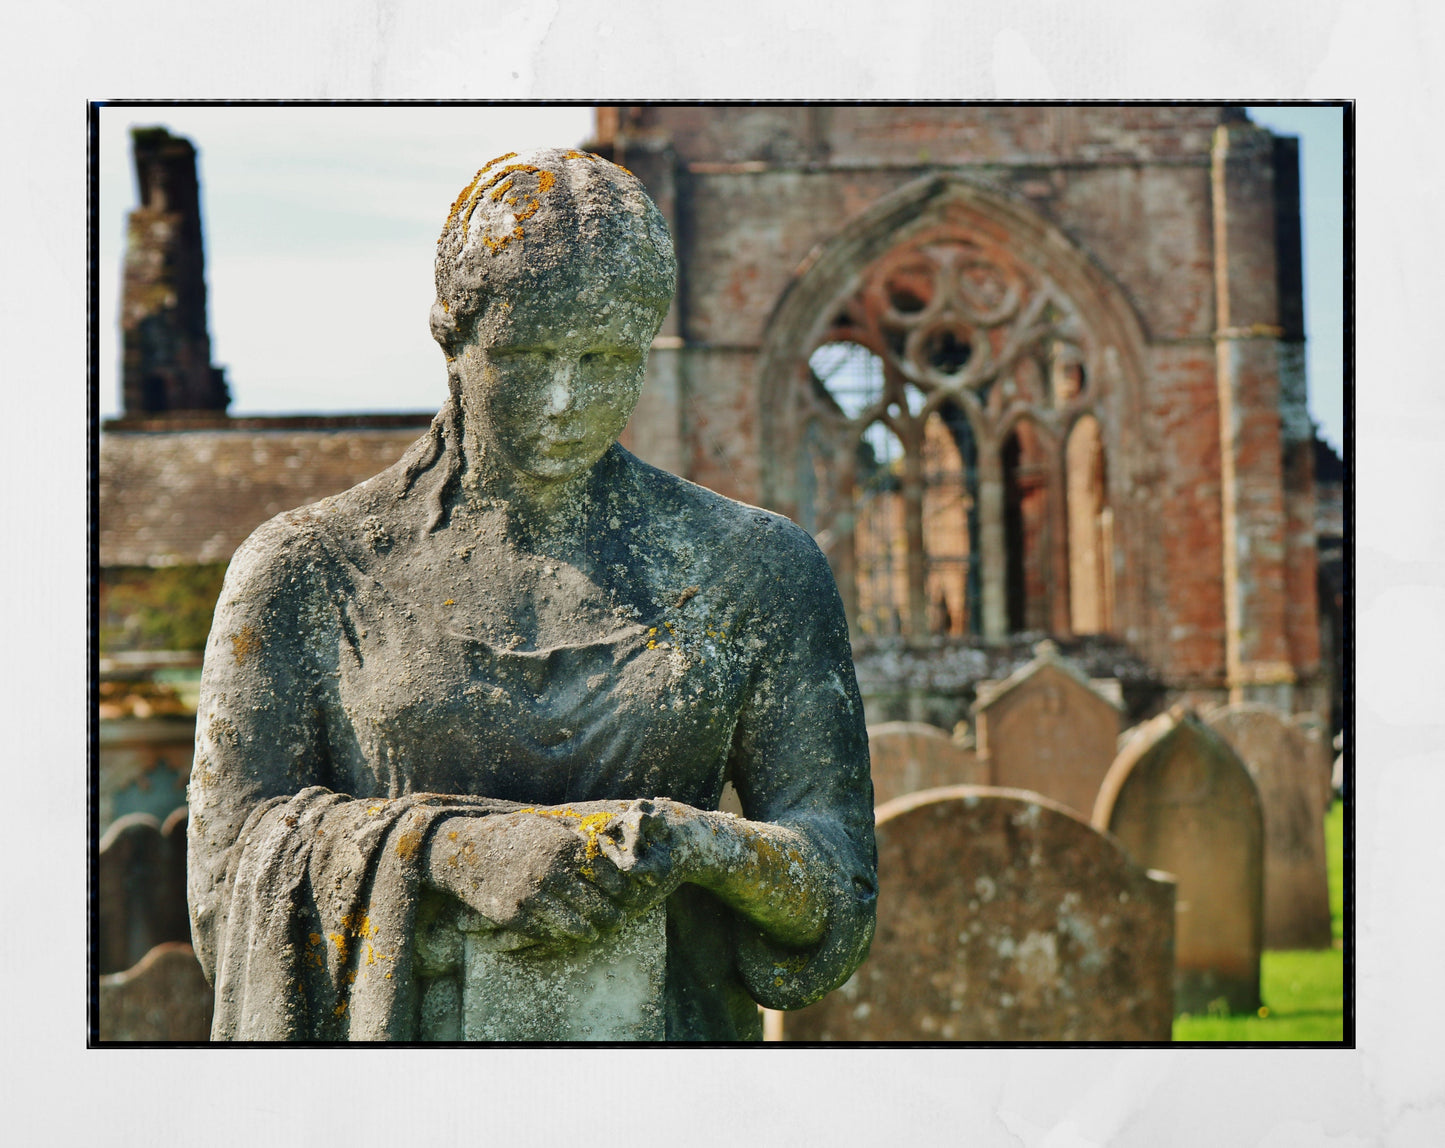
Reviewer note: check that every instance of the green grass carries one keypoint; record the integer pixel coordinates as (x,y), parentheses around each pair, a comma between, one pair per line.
(1303,991)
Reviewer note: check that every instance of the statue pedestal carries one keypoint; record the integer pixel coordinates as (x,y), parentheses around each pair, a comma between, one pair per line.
(495,991)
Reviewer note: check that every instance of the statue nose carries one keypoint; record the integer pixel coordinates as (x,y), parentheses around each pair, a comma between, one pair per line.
(561,392)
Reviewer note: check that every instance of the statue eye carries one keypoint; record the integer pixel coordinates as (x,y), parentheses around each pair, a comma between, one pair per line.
(605,361)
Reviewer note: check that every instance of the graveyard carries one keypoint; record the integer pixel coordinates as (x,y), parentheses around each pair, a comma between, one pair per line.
(1083,642)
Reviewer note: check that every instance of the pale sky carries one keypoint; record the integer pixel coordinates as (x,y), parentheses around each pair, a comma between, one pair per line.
(320,222)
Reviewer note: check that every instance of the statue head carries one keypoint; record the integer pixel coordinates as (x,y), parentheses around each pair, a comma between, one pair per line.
(553,272)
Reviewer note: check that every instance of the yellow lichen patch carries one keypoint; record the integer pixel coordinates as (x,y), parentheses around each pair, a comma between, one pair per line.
(591,824)
(575,154)
(314,939)
(372,956)
(339,1009)
(373,811)
(407,844)
(450,602)
(245,643)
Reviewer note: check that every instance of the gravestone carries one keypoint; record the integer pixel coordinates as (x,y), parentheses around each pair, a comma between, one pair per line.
(140,888)
(908,756)
(1179,799)
(1322,751)
(1285,764)
(164,997)
(1049,729)
(1004,916)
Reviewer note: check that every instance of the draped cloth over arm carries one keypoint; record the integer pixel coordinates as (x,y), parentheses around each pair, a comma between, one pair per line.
(303,900)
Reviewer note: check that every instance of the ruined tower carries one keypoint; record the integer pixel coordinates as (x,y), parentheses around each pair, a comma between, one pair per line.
(166,356)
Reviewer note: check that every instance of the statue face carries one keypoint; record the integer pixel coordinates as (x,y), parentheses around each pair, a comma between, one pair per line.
(557,384)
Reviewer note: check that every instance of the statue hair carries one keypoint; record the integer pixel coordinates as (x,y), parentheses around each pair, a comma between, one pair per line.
(519,227)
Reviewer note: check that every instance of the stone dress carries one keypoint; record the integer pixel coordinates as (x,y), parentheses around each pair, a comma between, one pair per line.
(348,704)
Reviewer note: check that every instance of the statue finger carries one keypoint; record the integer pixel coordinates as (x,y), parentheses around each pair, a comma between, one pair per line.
(551,918)
(588,902)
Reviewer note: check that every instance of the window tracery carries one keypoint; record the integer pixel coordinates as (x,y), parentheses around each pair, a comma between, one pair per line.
(941,467)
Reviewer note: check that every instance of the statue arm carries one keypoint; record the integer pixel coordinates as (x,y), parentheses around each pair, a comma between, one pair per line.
(259,737)
(800,871)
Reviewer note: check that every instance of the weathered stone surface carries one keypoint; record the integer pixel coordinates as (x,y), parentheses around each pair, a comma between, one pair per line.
(1180,800)
(194,495)
(166,351)
(1321,753)
(514,673)
(1049,729)
(494,990)
(1003,916)
(164,997)
(140,888)
(1284,762)
(908,756)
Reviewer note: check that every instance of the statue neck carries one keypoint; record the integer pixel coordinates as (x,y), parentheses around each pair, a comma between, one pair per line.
(544,513)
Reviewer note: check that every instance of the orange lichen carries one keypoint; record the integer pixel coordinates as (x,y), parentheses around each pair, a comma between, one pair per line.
(498,184)
(408,844)
(245,643)
(466,194)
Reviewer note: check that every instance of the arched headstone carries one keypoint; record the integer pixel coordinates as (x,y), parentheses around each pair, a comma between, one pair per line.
(1049,729)
(140,888)
(1180,799)
(908,756)
(1285,764)
(164,997)
(1003,916)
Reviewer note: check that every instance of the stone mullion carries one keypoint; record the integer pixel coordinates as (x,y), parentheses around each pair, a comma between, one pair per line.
(844,550)
(917,556)
(993,560)
(1061,621)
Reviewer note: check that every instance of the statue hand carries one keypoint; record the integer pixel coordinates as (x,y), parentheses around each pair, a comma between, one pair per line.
(653,846)
(528,873)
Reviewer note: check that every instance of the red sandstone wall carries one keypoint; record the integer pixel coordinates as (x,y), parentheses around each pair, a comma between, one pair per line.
(755,189)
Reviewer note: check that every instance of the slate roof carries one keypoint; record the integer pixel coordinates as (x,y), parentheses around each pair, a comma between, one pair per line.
(192,496)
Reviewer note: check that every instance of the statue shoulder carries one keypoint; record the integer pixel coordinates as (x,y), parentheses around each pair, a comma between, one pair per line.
(759,545)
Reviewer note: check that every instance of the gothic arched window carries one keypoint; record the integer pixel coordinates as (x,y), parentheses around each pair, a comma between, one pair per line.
(952,466)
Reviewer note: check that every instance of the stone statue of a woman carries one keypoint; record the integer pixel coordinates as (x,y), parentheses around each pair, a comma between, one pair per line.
(503,683)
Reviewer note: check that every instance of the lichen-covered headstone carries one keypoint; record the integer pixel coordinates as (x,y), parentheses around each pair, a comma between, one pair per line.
(1047,728)
(1179,799)
(1003,916)
(908,756)
(1284,762)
